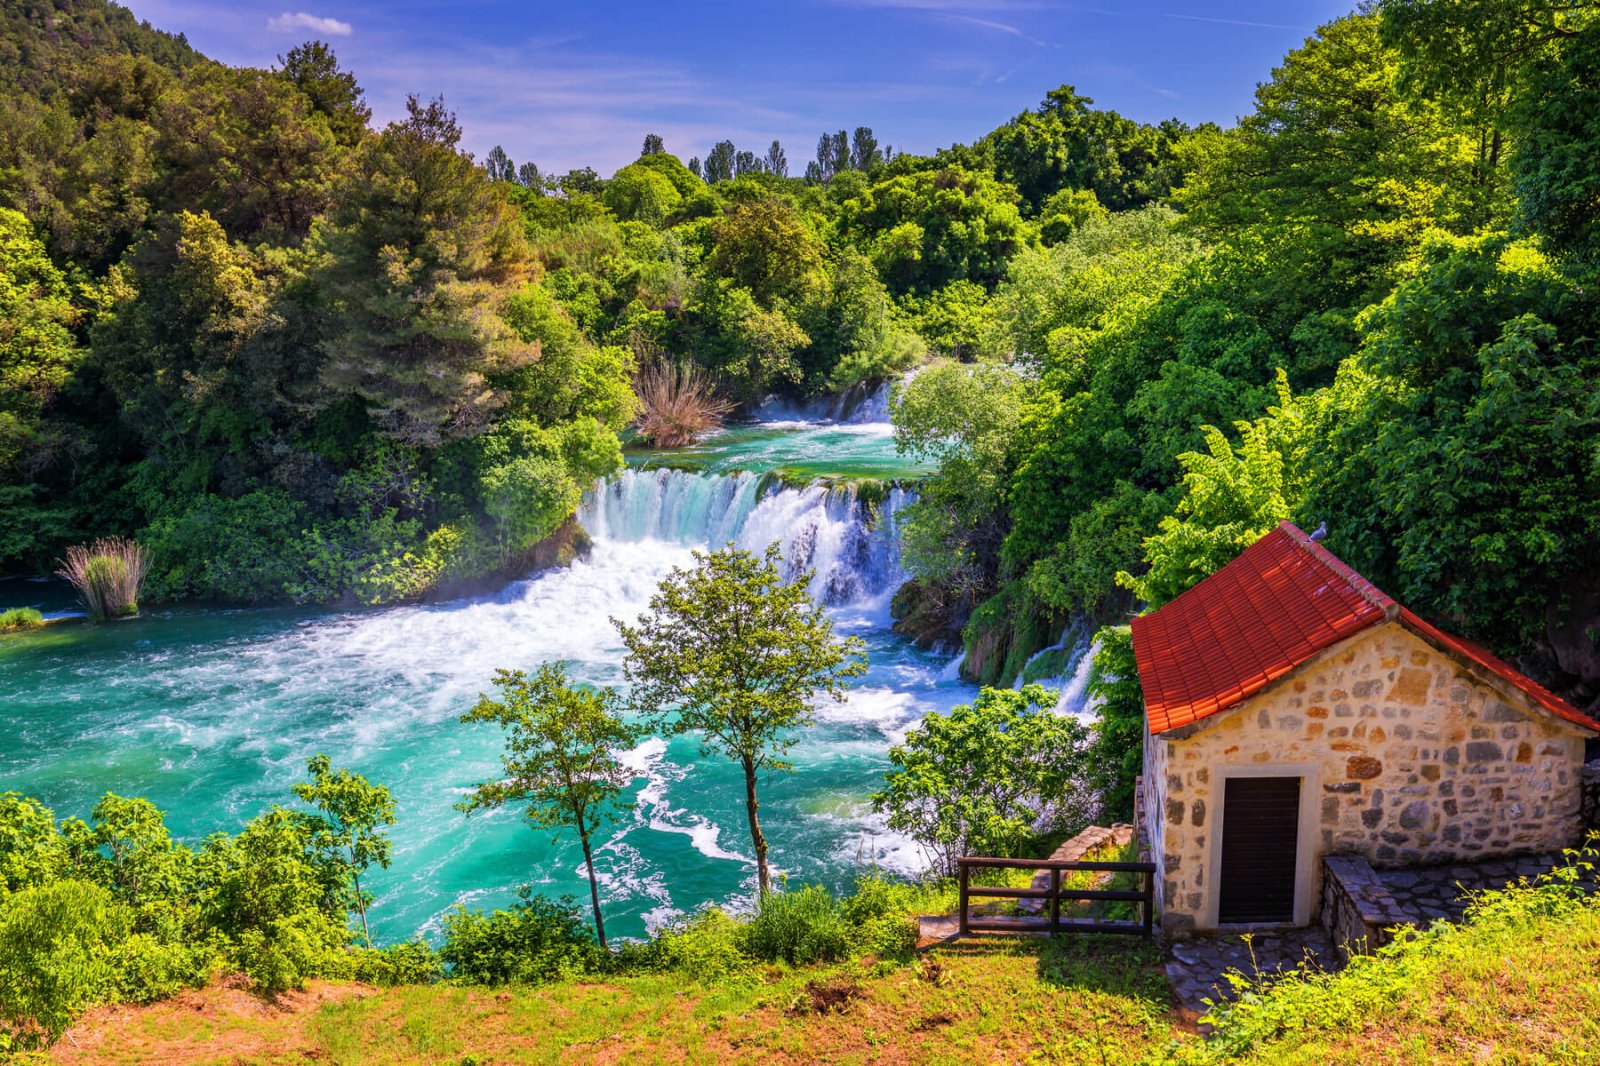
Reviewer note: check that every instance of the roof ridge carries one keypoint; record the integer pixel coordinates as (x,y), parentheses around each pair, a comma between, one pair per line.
(1343,570)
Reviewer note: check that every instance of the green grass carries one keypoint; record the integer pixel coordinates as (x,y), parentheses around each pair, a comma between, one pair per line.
(1518,985)
(20,618)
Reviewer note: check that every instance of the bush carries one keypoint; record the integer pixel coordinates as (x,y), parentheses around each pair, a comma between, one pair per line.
(413,962)
(537,940)
(108,575)
(704,948)
(799,927)
(54,959)
(20,618)
(680,403)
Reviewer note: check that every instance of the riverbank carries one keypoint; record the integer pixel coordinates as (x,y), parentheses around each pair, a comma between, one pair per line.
(1512,985)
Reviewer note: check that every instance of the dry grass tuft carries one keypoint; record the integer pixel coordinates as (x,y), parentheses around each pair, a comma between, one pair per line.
(680,404)
(108,575)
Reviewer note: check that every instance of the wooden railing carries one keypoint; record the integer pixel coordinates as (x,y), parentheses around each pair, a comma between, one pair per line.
(1051,896)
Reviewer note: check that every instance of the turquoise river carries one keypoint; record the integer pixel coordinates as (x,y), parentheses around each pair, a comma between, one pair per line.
(212,713)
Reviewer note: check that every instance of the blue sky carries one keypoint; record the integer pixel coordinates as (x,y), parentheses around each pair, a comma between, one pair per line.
(577,84)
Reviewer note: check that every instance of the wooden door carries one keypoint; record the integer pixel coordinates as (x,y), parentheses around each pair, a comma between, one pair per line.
(1260,831)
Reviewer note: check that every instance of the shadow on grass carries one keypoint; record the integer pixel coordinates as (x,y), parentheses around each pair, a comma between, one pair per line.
(1124,966)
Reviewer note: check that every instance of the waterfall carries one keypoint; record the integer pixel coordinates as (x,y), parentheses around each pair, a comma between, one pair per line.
(850,545)
(857,405)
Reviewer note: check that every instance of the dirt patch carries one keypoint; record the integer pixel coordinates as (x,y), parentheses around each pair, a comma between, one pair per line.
(224,1019)
(928,1023)
(827,997)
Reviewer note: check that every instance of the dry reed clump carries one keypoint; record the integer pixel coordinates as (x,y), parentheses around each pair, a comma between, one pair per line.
(680,404)
(108,575)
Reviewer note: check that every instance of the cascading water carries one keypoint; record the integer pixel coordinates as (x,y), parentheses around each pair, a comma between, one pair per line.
(851,548)
(212,714)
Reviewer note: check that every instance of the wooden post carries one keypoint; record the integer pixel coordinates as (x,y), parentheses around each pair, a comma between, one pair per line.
(1055,899)
(1149,903)
(963,868)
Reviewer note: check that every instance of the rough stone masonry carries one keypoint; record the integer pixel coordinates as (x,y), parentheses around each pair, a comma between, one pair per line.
(1410,757)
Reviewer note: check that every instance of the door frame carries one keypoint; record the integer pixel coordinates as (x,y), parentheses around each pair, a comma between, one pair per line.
(1306,853)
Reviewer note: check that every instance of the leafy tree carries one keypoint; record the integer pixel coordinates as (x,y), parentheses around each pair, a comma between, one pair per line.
(528,177)
(1232,496)
(731,651)
(864,151)
(763,246)
(498,166)
(719,162)
(1437,479)
(421,248)
(1116,746)
(274,894)
(977,780)
(31,851)
(640,194)
(777,161)
(351,827)
(38,351)
(334,94)
(1066,146)
(964,418)
(246,147)
(561,759)
(1556,129)
(653,144)
(931,227)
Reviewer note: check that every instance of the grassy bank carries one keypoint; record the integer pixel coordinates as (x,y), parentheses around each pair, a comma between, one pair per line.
(1516,984)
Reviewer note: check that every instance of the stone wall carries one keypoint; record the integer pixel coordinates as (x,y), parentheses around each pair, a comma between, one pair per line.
(1358,910)
(1151,811)
(1591,795)
(1409,758)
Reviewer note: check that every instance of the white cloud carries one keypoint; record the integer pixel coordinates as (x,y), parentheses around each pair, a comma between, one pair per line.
(299,21)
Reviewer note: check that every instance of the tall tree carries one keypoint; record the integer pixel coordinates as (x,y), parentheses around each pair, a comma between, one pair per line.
(777,161)
(561,756)
(350,830)
(864,151)
(422,251)
(528,177)
(719,161)
(839,152)
(732,652)
(498,166)
(653,144)
(824,160)
(314,70)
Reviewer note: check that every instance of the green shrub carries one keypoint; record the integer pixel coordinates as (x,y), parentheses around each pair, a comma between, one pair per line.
(879,914)
(412,962)
(55,948)
(799,927)
(535,941)
(20,618)
(32,852)
(704,948)
(148,967)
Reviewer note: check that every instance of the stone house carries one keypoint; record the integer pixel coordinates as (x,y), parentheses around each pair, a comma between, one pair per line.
(1293,712)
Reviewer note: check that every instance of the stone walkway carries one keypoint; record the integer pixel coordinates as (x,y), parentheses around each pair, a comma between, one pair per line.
(1196,966)
(1430,892)
(1423,894)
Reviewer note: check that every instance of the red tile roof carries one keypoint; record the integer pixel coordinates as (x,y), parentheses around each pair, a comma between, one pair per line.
(1282,601)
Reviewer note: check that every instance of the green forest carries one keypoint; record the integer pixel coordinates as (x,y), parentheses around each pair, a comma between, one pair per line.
(302,359)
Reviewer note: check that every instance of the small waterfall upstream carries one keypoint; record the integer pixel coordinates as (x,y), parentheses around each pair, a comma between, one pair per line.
(850,545)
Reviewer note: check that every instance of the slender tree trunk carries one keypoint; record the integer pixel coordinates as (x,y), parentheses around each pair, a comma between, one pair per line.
(594,886)
(361,907)
(753,806)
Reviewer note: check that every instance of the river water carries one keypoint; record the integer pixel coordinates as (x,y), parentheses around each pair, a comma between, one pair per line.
(213,713)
